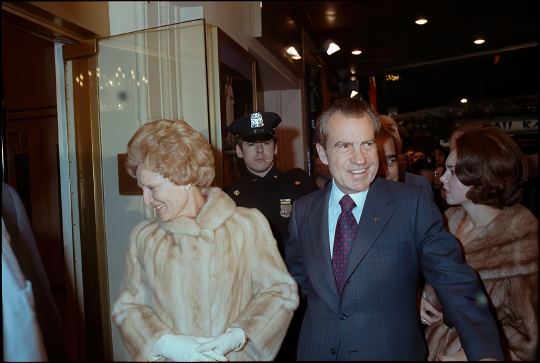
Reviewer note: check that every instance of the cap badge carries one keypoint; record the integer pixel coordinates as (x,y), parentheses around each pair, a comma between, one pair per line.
(286,208)
(256,120)
(297,182)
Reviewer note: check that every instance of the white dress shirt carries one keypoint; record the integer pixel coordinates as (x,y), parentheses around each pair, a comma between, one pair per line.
(334,210)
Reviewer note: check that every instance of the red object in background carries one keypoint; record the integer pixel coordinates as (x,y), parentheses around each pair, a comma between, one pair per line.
(497,57)
(372,93)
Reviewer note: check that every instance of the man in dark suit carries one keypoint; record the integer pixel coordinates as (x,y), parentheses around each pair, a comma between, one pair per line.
(358,248)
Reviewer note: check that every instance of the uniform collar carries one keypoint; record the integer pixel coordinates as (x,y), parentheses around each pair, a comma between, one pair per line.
(272,173)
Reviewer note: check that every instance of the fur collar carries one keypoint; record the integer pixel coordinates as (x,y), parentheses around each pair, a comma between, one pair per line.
(217,209)
(506,247)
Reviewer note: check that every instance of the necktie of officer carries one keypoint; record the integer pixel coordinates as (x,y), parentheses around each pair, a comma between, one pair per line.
(345,232)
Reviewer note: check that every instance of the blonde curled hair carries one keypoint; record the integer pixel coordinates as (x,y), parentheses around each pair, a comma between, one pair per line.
(174,150)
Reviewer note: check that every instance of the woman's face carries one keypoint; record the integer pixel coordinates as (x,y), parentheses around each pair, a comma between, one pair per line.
(167,198)
(454,190)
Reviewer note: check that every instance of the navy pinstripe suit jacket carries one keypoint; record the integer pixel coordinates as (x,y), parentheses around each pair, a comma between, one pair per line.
(401,235)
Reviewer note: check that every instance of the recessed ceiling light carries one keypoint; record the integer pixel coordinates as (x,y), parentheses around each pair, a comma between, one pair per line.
(479,41)
(356,52)
(421,21)
(332,48)
(291,51)
(463,100)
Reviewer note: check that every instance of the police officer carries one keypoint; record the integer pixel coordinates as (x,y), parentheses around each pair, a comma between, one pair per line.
(272,192)
(262,185)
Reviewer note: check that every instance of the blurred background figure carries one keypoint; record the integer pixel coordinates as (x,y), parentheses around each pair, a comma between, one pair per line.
(424,167)
(22,340)
(403,165)
(439,157)
(417,156)
(499,238)
(392,127)
(409,155)
(388,162)
(323,173)
(30,316)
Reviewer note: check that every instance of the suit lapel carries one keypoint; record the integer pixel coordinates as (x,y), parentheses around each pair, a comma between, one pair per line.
(321,273)
(378,209)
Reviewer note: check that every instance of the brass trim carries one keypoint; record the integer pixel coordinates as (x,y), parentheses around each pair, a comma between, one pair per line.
(214,106)
(92,218)
(42,23)
(37,15)
(85,48)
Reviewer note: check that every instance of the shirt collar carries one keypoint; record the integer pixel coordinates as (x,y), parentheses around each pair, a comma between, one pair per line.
(336,195)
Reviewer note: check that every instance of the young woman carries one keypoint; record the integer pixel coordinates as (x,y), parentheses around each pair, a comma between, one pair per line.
(499,239)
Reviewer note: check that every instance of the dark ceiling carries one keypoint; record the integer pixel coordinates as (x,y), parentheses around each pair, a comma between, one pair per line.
(386,33)
(437,62)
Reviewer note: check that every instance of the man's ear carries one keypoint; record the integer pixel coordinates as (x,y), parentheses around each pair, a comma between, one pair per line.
(322,153)
(275,149)
(239,152)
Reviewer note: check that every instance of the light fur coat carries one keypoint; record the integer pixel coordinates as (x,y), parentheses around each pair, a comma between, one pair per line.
(505,254)
(200,277)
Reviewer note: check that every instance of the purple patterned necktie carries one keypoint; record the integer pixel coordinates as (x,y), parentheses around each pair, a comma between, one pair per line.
(345,232)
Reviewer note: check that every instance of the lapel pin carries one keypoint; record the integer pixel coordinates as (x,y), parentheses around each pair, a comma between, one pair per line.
(377,219)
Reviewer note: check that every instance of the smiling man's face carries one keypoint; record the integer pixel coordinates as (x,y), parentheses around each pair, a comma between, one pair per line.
(351,153)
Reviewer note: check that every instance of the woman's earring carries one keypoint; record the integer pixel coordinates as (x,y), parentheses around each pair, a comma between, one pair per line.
(187,187)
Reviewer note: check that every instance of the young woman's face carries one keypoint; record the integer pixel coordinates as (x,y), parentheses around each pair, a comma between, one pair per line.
(454,190)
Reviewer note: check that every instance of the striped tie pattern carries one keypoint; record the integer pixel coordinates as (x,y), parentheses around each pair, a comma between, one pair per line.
(345,232)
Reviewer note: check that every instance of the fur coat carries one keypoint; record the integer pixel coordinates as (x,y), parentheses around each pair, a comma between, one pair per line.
(201,276)
(505,254)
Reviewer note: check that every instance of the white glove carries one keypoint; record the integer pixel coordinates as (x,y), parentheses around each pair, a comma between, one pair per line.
(183,348)
(232,339)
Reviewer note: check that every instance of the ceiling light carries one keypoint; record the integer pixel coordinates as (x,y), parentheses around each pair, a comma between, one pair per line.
(356,52)
(479,41)
(291,51)
(421,21)
(332,48)
(463,100)
(353,93)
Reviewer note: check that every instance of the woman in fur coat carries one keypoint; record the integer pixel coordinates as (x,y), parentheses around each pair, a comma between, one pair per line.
(204,280)
(499,239)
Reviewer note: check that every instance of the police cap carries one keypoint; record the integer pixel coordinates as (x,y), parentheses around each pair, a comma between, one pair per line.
(255,127)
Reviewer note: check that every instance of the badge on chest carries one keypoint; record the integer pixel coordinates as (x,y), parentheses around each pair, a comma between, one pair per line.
(285,208)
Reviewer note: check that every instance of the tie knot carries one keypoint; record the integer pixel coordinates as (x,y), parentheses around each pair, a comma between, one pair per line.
(346,203)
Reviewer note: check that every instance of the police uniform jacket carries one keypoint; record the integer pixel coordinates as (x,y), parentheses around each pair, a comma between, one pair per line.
(273,195)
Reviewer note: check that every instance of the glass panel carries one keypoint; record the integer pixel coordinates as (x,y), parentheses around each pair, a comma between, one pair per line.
(143,76)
